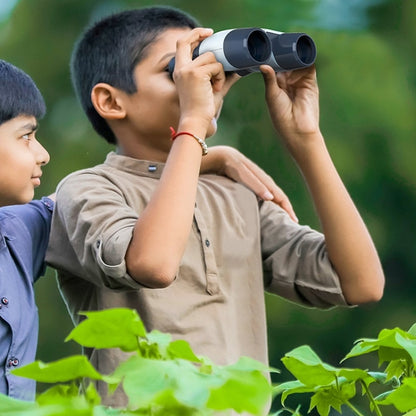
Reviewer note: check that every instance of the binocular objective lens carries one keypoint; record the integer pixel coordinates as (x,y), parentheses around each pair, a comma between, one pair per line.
(305,48)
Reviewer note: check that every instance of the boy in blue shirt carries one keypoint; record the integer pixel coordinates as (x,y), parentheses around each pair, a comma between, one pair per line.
(24,225)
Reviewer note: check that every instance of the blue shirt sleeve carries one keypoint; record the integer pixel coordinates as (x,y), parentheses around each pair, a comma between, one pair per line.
(35,217)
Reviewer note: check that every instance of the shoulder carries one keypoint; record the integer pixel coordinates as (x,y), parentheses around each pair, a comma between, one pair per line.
(28,223)
(36,209)
(92,173)
(91,177)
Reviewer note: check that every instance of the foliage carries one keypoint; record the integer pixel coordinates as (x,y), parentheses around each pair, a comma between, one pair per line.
(333,387)
(165,377)
(161,376)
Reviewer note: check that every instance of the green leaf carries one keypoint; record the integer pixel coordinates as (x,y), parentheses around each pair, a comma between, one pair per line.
(334,397)
(391,344)
(244,387)
(56,393)
(110,328)
(403,398)
(66,369)
(249,364)
(182,349)
(308,368)
(155,345)
(412,330)
(288,385)
(294,387)
(396,369)
(243,391)
(8,404)
(144,380)
(92,396)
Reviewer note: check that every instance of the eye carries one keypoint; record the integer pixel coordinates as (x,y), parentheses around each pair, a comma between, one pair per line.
(28,136)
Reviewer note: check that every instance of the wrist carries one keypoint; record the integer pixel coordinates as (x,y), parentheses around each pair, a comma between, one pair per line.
(303,143)
(195,125)
(309,150)
(200,141)
(215,161)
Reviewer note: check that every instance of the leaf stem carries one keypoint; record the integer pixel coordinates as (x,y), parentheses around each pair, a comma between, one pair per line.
(371,398)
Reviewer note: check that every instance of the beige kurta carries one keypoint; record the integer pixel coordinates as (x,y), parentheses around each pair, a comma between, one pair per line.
(238,247)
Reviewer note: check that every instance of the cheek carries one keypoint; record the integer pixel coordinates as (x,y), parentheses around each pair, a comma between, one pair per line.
(19,162)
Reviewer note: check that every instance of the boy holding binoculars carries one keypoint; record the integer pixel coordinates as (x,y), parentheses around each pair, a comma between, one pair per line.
(194,253)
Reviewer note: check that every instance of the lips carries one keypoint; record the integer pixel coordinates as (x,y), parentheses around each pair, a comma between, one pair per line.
(36,180)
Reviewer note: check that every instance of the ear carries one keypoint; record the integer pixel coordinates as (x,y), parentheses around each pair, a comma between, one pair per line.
(108,101)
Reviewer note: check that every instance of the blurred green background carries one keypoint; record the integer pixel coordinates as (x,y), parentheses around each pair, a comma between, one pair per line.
(367,75)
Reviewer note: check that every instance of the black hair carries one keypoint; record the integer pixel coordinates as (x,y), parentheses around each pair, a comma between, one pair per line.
(110,49)
(19,95)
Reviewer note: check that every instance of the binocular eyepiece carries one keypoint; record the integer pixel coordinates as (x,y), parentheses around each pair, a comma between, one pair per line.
(244,50)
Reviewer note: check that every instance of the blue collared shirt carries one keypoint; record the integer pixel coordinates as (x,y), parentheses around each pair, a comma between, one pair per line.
(24,234)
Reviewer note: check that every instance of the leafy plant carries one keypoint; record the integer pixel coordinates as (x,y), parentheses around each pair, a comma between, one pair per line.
(161,377)
(332,387)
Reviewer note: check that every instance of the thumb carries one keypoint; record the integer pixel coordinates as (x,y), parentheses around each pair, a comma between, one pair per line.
(270,80)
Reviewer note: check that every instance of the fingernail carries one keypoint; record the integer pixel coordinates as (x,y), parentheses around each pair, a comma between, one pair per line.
(268,196)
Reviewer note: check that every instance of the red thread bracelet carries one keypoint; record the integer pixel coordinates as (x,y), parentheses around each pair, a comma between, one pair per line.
(203,145)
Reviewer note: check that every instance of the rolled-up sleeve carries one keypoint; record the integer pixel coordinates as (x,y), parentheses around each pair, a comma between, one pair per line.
(90,233)
(295,261)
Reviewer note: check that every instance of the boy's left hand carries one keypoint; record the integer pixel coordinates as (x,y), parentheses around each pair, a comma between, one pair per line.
(293,101)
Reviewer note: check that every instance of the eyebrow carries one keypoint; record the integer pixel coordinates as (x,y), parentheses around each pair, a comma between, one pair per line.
(29,126)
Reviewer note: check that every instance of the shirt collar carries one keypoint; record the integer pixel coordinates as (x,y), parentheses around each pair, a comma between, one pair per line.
(135,166)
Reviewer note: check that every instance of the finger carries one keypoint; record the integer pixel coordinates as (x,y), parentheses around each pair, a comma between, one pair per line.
(274,83)
(266,193)
(282,200)
(267,189)
(252,181)
(186,44)
(214,71)
(269,75)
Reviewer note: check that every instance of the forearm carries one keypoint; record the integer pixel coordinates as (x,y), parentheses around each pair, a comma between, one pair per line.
(162,230)
(349,244)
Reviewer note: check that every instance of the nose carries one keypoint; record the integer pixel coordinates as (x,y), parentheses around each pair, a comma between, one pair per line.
(42,155)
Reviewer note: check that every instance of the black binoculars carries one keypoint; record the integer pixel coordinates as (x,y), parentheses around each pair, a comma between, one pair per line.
(244,50)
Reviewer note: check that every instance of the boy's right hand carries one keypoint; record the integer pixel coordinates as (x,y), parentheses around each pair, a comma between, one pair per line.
(201,82)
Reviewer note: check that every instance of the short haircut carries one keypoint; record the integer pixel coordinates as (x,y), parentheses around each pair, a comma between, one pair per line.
(19,94)
(110,49)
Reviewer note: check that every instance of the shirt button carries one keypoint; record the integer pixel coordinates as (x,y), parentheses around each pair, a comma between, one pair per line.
(152,168)
(207,242)
(13,362)
(4,301)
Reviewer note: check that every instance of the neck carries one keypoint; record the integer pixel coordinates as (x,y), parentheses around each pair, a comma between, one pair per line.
(143,151)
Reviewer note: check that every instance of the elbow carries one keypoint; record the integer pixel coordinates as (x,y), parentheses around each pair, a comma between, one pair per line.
(370,296)
(151,275)
(370,292)
(378,292)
